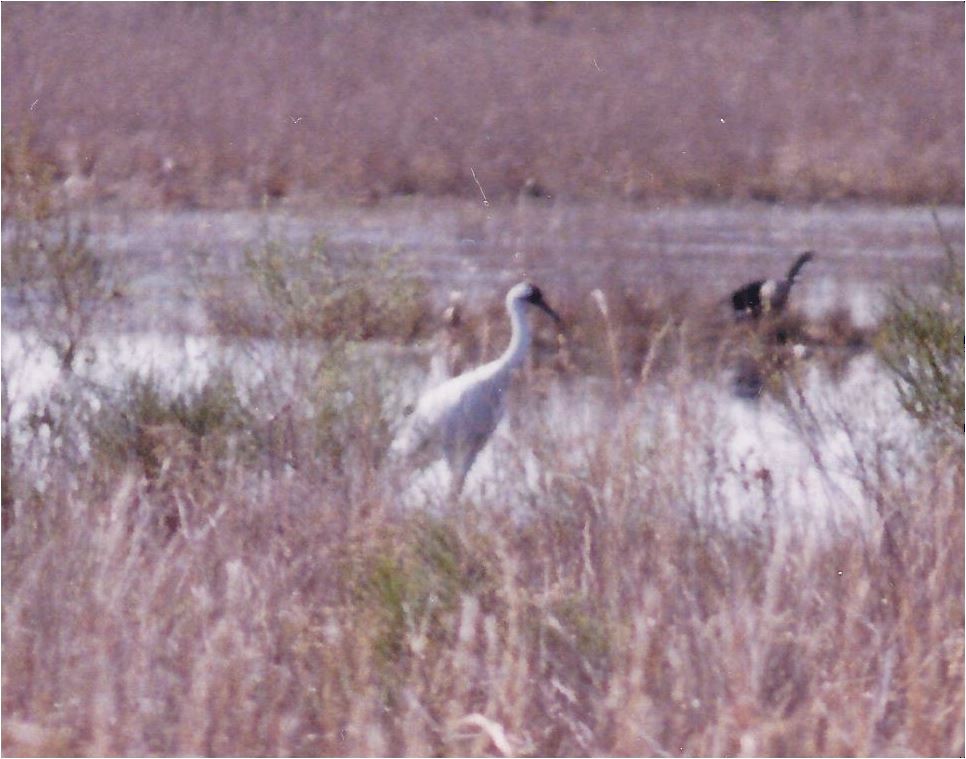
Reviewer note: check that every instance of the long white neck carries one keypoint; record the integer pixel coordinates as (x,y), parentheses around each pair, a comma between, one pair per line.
(515,352)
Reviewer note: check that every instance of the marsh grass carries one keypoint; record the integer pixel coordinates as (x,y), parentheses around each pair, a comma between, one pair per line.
(64,287)
(232,568)
(306,292)
(922,344)
(210,106)
(218,597)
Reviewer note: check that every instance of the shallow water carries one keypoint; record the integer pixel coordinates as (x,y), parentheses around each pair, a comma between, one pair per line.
(809,469)
(161,330)
(699,251)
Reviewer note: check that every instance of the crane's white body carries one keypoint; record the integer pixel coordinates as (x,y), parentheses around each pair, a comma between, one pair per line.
(455,419)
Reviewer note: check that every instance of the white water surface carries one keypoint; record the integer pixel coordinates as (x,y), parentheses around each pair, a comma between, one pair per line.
(810,465)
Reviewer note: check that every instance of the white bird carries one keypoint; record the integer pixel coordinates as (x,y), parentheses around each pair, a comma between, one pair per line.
(456,418)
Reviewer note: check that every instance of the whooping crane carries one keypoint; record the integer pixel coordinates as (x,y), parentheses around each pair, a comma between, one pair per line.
(456,418)
(768,295)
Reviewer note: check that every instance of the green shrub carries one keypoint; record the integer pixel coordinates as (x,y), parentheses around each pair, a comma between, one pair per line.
(922,343)
(306,292)
(145,425)
(62,284)
(317,308)
(412,585)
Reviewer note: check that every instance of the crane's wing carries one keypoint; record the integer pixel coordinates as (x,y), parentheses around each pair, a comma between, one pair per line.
(422,432)
(452,419)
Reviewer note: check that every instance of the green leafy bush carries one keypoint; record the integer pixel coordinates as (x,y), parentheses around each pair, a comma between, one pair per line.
(922,343)
(413,583)
(153,428)
(307,292)
(63,285)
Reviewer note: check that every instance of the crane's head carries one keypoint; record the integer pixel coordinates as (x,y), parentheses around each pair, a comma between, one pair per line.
(528,293)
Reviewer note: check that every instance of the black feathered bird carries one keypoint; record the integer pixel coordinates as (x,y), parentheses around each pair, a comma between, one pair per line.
(768,295)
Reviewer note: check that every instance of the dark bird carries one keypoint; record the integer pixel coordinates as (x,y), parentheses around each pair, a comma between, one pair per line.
(767,296)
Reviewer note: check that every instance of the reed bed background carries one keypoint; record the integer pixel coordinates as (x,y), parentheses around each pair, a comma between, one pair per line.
(194,105)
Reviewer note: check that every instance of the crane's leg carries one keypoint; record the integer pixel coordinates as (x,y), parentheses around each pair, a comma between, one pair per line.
(460,464)
(456,485)
(457,469)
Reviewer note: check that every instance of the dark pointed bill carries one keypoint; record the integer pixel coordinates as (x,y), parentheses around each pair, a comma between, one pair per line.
(536,298)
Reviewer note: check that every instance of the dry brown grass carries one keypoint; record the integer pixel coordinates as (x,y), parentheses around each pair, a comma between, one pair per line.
(229,573)
(229,105)
(233,569)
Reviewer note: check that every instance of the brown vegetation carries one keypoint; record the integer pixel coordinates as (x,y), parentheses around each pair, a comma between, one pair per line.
(241,578)
(231,105)
(235,569)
